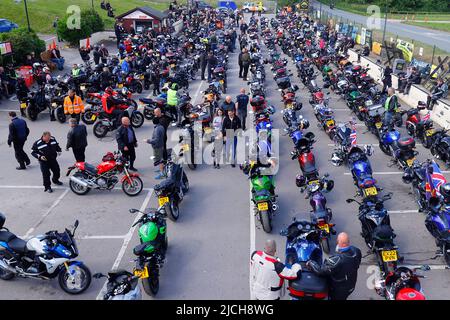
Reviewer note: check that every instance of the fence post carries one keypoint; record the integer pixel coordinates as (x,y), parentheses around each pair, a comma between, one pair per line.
(432,57)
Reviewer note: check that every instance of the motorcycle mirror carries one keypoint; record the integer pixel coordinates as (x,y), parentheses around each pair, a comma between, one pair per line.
(425,267)
(350,200)
(98,275)
(387,196)
(133,210)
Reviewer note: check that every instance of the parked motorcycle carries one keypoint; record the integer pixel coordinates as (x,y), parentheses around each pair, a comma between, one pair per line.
(105,176)
(401,148)
(437,223)
(105,123)
(44,257)
(121,285)
(418,126)
(402,284)
(440,147)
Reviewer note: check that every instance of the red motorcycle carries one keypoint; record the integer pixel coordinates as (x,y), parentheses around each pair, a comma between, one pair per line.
(104,176)
(306,158)
(420,126)
(402,284)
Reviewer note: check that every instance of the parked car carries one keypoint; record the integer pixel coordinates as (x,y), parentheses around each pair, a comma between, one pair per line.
(252,7)
(7,26)
(201,5)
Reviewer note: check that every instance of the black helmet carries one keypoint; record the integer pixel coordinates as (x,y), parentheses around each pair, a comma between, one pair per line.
(445,192)
(2,220)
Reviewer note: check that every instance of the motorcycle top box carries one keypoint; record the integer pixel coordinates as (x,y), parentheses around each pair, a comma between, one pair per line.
(376,110)
(284,83)
(406,143)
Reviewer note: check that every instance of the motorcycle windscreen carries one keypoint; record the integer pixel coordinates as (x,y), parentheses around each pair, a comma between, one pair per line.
(362,169)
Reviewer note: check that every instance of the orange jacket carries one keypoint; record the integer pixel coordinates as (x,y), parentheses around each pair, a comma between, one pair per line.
(76,107)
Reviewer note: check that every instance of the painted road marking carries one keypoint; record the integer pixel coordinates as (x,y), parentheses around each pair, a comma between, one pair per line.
(388,173)
(403,211)
(198,91)
(46,213)
(126,241)
(54,188)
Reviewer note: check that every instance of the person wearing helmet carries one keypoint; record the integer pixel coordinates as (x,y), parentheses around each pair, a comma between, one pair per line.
(444,189)
(172,101)
(110,106)
(47,77)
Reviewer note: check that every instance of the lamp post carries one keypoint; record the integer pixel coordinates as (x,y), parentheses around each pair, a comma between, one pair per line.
(385,22)
(26,13)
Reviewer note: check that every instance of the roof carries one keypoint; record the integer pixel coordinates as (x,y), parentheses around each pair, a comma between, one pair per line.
(147,10)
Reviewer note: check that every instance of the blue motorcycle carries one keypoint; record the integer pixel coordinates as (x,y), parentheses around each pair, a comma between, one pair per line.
(302,245)
(438,224)
(43,257)
(362,172)
(401,148)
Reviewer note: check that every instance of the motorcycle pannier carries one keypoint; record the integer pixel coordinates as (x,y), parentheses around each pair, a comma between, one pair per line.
(376,110)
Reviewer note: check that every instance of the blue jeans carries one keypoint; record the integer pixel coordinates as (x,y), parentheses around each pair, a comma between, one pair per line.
(59,63)
(231,144)
(388,118)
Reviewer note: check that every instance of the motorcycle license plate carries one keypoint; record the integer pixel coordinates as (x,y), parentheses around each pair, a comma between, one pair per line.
(143,274)
(163,200)
(263,206)
(378,125)
(23,105)
(325,227)
(313,182)
(289,106)
(409,162)
(208,130)
(186,147)
(54,104)
(120,86)
(330,123)
(93,117)
(429,132)
(372,191)
(221,81)
(82,87)
(389,255)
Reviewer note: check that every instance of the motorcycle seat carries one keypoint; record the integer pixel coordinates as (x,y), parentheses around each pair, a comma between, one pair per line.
(90,168)
(7,236)
(13,241)
(166,184)
(146,100)
(140,249)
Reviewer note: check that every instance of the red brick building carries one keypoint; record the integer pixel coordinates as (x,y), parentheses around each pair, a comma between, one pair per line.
(143,17)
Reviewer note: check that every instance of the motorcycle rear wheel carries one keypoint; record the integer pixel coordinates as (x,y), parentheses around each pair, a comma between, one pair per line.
(172,210)
(137,87)
(137,185)
(5,274)
(32,114)
(185,183)
(78,189)
(60,114)
(86,117)
(266,221)
(100,130)
(445,249)
(151,284)
(137,119)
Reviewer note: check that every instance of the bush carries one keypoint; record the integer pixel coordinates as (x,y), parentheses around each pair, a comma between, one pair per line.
(90,23)
(23,42)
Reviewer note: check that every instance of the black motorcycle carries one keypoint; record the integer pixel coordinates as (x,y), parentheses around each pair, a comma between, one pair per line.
(377,232)
(440,147)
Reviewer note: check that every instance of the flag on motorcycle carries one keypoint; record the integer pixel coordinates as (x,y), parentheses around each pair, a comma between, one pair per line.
(353,135)
(437,178)
(427,116)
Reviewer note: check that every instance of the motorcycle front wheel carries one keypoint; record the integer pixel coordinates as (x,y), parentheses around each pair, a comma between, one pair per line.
(185,183)
(75,280)
(32,114)
(137,119)
(137,87)
(60,114)
(100,130)
(148,114)
(86,117)
(427,142)
(151,284)
(134,187)
(325,244)
(266,221)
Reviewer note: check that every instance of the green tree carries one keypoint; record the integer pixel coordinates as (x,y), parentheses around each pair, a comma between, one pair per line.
(23,42)
(90,23)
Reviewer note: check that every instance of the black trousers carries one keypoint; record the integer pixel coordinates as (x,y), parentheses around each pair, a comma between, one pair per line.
(76,116)
(21,157)
(339,293)
(243,117)
(245,67)
(79,154)
(46,167)
(130,154)
(240,70)
(203,72)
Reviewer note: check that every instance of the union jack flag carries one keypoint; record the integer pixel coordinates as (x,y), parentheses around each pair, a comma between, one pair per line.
(437,178)
(353,135)
(427,116)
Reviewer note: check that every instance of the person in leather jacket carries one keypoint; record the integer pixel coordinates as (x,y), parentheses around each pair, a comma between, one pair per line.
(341,268)
(110,106)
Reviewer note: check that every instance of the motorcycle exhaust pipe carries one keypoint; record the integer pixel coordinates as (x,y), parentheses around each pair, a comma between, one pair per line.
(79,181)
(7,267)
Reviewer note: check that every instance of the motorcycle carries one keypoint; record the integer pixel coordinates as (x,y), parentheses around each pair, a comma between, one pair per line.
(306,158)
(121,285)
(440,147)
(171,191)
(44,257)
(437,223)
(320,213)
(152,250)
(402,284)
(377,232)
(303,245)
(401,148)
(106,124)
(104,176)
(361,170)
(418,126)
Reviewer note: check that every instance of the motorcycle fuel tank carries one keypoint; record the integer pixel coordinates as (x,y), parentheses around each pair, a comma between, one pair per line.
(391,136)
(361,168)
(105,166)
(442,220)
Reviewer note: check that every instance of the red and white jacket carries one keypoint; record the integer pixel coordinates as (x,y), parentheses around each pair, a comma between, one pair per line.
(267,275)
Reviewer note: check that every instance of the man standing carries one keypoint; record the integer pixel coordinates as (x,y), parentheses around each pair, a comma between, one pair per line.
(267,273)
(342,268)
(203,63)
(73,105)
(230,125)
(391,106)
(164,120)
(18,133)
(387,78)
(46,150)
(127,141)
(96,54)
(246,59)
(104,53)
(172,101)
(212,62)
(158,144)
(77,140)
(241,107)
(241,69)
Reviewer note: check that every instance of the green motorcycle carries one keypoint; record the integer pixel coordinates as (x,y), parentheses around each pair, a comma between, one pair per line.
(263,193)
(355,101)
(152,250)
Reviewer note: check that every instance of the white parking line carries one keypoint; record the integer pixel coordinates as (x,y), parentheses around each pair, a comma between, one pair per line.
(403,211)
(126,241)
(388,173)
(252,233)
(198,91)
(49,210)
(376,144)
(101,237)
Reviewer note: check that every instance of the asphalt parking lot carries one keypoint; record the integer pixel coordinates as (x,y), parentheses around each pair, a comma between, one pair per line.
(209,246)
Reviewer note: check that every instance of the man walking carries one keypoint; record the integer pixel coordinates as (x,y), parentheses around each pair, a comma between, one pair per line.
(228,105)
(203,63)
(391,106)
(241,107)
(212,62)
(267,273)
(342,268)
(230,125)
(77,140)
(46,150)
(164,120)
(246,59)
(73,105)
(127,141)
(18,133)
